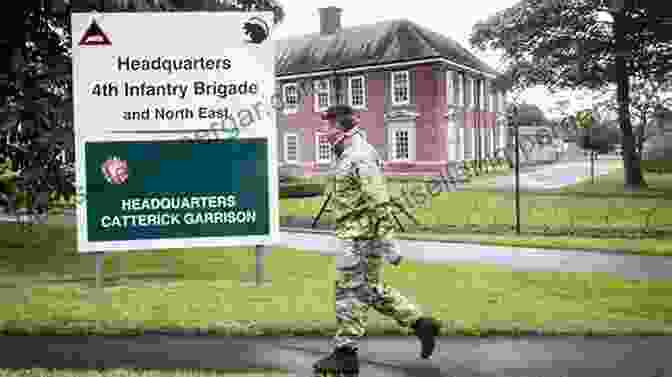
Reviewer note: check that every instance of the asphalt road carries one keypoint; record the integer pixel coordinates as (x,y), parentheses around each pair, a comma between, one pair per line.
(554,176)
(389,356)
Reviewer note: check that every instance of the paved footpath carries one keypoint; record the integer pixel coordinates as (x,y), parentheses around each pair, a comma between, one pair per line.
(380,357)
(521,259)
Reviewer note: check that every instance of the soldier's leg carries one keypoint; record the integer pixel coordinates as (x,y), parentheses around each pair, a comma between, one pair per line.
(392,303)
(386,299)
(351,316)
(351,309)
(351,313)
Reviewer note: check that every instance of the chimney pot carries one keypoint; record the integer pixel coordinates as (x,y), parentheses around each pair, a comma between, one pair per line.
(330,20)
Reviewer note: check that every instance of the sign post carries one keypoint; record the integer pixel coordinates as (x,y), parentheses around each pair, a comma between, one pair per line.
(175,131)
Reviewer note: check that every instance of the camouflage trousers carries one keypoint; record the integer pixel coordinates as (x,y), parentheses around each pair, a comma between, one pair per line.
(360,286)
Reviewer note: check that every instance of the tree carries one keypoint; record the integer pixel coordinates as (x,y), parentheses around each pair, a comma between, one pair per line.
(594,133)
(647,96)
(531,115)
(36,108)
(36,100)
(584,44)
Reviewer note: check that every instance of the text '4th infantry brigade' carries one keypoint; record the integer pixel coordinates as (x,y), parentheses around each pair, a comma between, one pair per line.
(179,90)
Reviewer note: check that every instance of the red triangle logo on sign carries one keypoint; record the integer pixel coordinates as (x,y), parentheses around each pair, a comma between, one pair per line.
(94,36)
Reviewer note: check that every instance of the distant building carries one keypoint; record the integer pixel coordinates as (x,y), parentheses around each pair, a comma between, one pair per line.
(664,120)
(423,98)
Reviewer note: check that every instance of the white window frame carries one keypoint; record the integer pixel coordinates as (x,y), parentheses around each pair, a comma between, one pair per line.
(474,143)
(462,143)
(450,87)
(287,108)
(451,141)
(491,102)
(460,89)
(350,92)
(394,74)
(475,93)
(410,129)
(286,148)
(317,91)
(502,104)
(317,150)
(468,92)
(493,139)
(484,91)
(502,134)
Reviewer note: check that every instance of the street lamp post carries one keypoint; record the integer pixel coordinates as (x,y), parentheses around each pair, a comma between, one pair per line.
(513,123)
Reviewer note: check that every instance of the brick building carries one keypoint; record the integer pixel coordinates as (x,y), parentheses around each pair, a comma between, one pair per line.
(424,100)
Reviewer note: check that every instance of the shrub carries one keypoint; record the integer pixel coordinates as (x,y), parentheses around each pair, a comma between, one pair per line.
(7,184)
(657,166)
(301,190)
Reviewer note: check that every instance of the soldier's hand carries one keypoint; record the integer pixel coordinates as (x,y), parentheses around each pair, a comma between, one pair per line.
(397,261)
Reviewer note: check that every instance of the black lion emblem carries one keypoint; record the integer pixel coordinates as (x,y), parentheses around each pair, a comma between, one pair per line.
(256,29)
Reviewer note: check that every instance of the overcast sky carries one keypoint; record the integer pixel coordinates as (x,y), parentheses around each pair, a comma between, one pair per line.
(452,19)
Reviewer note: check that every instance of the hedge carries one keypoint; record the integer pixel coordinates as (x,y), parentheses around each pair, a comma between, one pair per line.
(301,190)
(657,166)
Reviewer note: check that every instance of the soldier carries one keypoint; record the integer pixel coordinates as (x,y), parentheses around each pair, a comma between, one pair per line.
(365,228)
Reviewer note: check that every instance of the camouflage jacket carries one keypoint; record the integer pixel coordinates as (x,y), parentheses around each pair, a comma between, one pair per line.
(361,202)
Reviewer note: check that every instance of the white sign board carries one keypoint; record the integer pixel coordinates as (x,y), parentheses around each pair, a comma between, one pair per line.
(175,131)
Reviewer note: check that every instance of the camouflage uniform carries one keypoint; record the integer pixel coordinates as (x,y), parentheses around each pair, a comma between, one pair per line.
(365,228)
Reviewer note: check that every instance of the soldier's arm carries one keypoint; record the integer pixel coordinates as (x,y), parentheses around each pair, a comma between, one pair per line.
(372,183)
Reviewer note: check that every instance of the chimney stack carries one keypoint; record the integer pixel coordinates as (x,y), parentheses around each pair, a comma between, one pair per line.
(330,20)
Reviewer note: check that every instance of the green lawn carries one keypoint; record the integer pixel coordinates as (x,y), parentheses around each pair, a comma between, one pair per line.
(48,288)
(659,186)
(41,372)
(602,216)
(646,246)
(496,210)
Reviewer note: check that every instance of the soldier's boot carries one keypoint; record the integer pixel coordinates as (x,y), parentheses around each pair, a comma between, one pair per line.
(342,362)
(426,329)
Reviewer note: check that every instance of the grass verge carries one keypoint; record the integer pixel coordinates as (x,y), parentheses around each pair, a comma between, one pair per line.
(49,289)
(651,246)
(612,184)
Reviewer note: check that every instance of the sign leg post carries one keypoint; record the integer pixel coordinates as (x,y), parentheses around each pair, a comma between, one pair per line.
(100,262)
(260,250)
(260,280)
